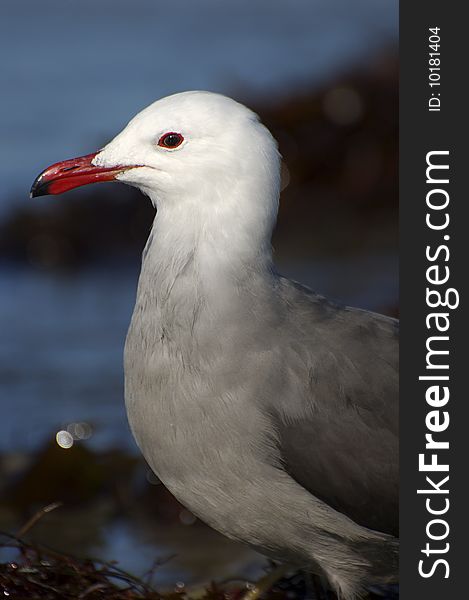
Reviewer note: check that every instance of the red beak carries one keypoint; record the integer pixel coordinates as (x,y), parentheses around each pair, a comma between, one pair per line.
(68,174)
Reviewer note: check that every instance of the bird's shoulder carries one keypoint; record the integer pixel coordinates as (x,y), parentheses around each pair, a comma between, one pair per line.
(328,359)
(338,343)
(304,302)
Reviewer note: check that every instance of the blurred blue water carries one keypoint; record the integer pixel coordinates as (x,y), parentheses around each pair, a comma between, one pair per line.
(61,355)
(74,72)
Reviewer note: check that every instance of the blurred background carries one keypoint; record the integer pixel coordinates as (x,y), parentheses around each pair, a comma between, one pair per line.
(322,74)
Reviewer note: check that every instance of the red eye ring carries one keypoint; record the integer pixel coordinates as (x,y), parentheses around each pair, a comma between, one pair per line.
(170,140)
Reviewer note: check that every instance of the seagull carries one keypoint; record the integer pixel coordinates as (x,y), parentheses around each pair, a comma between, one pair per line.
(270,412)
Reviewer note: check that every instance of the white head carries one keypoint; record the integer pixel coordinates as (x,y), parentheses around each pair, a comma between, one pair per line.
(205,161)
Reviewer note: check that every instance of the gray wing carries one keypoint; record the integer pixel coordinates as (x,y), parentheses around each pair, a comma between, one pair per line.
(339,439)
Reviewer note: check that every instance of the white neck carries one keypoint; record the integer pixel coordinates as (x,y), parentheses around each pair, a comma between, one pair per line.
(200,259)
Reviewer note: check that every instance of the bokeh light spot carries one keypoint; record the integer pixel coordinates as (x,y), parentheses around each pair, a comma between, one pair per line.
(80,431)
(187,518)
(343,105)
(64,439)
(152,478)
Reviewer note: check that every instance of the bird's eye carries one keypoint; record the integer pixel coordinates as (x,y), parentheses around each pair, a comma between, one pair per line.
(170,140)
